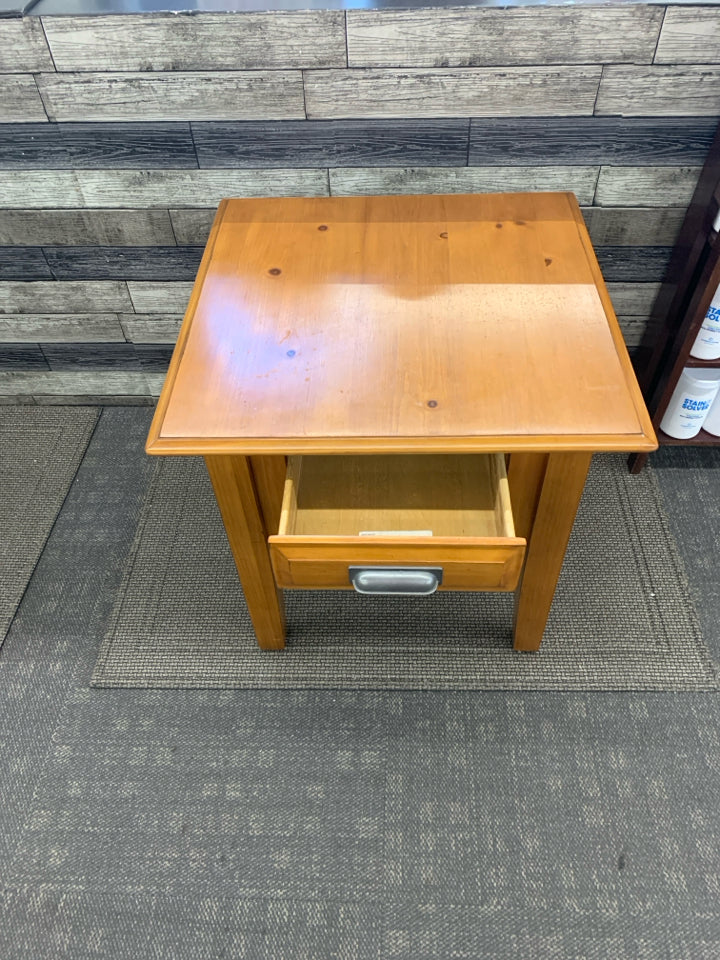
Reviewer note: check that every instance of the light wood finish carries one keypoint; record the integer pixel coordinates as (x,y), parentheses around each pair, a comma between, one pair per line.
(237,497)
(370,181)
(690,35)
(283,353)
(23,46)
(235,95)
(658,91)
(400,325)
(153,188)
(463,501)
(562,483)
(485,91)
(650,186)
(476,38)
(217,41)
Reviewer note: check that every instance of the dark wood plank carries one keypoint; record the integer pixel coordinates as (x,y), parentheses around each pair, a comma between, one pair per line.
(154,357)
(660,91)
(233,95)
(530,35)
(332,143)
(632,142)
(466,92)
(24,263)
(202,41)
(67,146)
(124,263)
(139,228)
(634,264)
(22,356)
(23,46)
(74,356)
(689,35)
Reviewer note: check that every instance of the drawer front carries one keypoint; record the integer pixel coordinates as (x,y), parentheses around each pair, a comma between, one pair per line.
(322,562)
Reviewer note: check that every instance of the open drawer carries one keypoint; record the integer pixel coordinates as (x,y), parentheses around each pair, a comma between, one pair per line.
(373,521)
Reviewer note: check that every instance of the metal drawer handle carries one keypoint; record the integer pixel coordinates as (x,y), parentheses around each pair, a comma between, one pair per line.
(410,581)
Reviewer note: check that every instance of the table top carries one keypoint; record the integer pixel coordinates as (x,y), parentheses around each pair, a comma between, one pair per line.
(457,323)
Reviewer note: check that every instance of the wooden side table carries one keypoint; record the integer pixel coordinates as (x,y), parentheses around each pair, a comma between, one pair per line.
(358,372)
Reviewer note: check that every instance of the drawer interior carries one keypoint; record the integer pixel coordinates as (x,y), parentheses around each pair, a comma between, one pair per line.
(444,495)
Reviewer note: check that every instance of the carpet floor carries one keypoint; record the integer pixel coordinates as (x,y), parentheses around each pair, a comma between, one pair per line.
(622,619)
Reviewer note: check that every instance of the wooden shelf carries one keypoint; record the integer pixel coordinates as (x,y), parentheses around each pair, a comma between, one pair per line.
(694,362)
(703,439)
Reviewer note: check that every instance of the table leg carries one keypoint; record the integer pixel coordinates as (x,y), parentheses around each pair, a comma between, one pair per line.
(241,508)
(549,488)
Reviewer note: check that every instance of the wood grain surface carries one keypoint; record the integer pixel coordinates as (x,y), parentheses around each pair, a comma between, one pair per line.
(90,385)
(122,263)
(476,38)
(658,91)
(287,378)
(237,95)
(150,328)
(656,226)
(214,41)
(633,299)
(159,297)
(72,146)
(192,226)
(331,143)
(24,263)
(23,47)
(689,35)
(61,328)
(420,180)
(78,227)
(514,91)
(675,141)
(624,263)
(19,99)
(80,297)
(646,186)
(39,189)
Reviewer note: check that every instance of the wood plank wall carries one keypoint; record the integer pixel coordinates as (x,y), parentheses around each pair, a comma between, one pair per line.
(119,134)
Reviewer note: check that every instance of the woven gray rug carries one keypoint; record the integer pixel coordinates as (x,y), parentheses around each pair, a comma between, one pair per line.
(40,451)
(622,617)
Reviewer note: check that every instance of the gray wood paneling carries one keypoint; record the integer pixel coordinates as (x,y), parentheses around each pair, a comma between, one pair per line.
(19,99)
(73,146)
(192,226)
(61,328)
(214,41)
(332,143)
(522,141)
(634,226)
(476,38)
(349,182)
(88,384)
(134,228)
(23,46)
(658,91)
(633,329)
(690,35)
(59,296)
(646,186)
(22,356)
(150,328)
(250,95)
(154,188)
(24,263)
(88,356)
(122,263)
(634,264)
(159,298)
(155,383)
(512,92)
(633,299)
